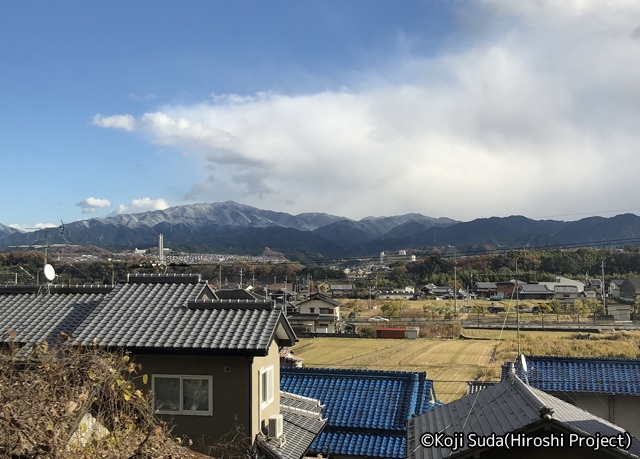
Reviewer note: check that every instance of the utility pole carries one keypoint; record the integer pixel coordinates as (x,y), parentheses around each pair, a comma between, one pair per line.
(455,285)
(220,277)
(604,302)
(517,309)
(240,276)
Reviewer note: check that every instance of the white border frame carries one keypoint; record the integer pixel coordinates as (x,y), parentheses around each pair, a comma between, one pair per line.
(270,372)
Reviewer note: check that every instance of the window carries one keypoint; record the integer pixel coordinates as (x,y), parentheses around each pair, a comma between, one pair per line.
(326,311)
(311,310)
(190,395)
(266,386)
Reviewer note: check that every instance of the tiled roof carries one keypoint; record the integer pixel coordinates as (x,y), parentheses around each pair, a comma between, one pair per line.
(323,297)
(535,288)
(146,312)
(35,314)
(510,406)
(302,422)
(361,444)
(486,285)
(366,410)
(582,374)
(475,386)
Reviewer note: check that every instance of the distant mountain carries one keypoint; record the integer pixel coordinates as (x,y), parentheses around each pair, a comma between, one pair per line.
(7,230)
(229,227)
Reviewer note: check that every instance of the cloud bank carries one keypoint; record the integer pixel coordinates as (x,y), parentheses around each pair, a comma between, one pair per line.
(92,205)
(140,205)
(534,111)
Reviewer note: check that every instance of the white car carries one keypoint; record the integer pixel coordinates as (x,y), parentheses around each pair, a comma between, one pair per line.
(378,319)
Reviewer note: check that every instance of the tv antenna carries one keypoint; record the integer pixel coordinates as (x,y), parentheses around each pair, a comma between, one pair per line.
(49,271)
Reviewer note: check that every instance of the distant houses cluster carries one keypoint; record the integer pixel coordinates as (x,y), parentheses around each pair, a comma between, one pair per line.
(219,358)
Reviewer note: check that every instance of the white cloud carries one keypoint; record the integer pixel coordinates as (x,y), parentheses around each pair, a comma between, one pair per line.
(34,227)
(141,205)
(126,122)
(92,205)
(534,117)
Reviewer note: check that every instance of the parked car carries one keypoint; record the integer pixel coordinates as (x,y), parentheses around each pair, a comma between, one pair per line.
(378,319)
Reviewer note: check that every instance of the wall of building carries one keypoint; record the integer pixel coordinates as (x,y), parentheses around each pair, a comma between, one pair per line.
(619,409)
(261,415)
(231,392)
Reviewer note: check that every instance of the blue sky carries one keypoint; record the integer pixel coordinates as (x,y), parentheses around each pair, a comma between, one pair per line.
(447,108)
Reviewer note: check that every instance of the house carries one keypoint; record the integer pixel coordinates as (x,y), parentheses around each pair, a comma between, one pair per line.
(387,258)
(606,387)
(386,293)
(302,422)
(629,290)
(485,289)
(442,292)
(213,364)
(513,420)
(289,359)
(366,410)
(566,294)
(533,291)
(614,288)
(506,288)
(319,314)
(340,289)
(594,285)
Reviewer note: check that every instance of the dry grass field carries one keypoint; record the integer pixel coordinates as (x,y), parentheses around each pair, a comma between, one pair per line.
(451,363)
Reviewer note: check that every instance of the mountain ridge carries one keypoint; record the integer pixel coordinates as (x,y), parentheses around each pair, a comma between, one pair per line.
(230,227)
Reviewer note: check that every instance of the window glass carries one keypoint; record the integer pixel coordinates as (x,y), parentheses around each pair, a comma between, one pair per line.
(265,387)
(167,394)
(195,394)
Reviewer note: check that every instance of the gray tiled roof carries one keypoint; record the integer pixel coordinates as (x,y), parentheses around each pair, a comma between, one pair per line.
(302,424)
(510,406)
(323,297)
(147,312)
(535,288)
(37,314)
(475,386)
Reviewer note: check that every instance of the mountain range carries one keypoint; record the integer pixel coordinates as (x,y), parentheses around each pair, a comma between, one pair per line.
(229,227)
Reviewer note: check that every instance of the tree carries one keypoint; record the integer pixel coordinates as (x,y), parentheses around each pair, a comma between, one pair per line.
(542,309)
(391,308)
(595,307)
(354,307)
(577,309)
(556,307)
(434,308)
(479,309)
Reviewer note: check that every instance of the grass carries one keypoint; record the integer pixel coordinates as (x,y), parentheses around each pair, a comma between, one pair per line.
(451,363)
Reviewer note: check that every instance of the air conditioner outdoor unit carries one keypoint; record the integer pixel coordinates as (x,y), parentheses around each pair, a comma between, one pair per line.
(275,426)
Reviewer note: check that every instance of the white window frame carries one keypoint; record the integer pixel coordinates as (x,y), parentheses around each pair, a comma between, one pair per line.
(270,389)
(182,411)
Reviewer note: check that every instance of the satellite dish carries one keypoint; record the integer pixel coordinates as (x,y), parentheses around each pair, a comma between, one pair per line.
(523,362)
(49,272)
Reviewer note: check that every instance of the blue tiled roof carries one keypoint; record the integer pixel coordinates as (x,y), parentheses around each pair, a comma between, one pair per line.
(363,445)
(610,376)
(366,410)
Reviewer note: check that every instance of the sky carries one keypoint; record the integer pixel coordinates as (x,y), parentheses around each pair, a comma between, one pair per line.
(459,109)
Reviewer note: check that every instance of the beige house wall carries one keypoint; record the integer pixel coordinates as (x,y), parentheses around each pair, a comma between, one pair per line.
(261,415)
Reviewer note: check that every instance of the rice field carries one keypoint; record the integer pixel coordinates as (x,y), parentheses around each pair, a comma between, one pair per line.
(451,363)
